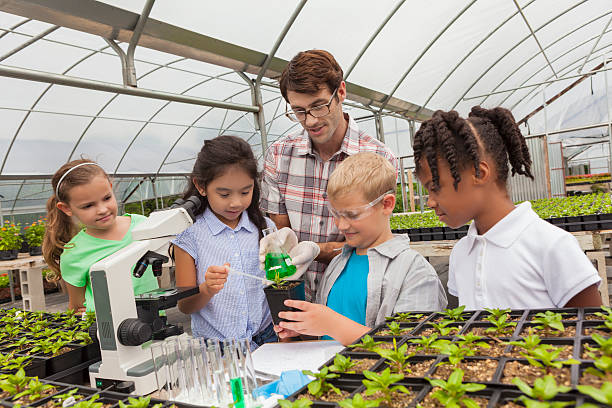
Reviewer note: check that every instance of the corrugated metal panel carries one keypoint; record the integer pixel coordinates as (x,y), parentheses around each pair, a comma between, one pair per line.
(522,188)
(557,173)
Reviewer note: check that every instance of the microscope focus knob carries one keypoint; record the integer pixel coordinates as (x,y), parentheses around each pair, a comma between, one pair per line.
(133,332)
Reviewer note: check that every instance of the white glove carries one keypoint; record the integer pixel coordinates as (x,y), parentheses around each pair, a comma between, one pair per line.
(285,237)
(302,256)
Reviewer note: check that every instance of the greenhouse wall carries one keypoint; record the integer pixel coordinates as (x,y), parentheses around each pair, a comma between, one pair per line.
(523,188)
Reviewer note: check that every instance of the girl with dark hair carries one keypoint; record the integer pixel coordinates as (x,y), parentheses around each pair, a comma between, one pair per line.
(83,194)
(226,232)
(510,257)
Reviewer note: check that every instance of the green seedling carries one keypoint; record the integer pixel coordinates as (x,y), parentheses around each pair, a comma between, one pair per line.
(47,346)
(501,325)
(455,353)
(545,356)
(603,394)
(342,364)
(529,342)
(383,383)
(602,369)
(367,343)
(405,317)
(444,329)
(607,325)
(425,343)
(456,314)
(300,403)
(471,341)
(605,316)
(549,322)
(59,399)
(10,363)
(35,390)
(604,343)
(14,383)
(141,402)
(21,343)
(452,392)
(320,385)
(356,402)
(395,329)
(397,359)
(544,389)
(89,403)
(497,313)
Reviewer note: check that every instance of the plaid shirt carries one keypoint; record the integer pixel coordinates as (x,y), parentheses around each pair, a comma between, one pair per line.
(295,183)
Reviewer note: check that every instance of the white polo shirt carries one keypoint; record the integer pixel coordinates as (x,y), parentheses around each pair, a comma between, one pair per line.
(521,262)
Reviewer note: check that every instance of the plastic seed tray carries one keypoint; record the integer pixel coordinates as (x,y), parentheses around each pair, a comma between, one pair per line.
(495,367)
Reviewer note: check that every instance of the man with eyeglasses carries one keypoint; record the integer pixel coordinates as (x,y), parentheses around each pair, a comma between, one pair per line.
(297,167)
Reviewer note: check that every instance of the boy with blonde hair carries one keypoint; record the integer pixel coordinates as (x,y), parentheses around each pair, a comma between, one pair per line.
(377,274)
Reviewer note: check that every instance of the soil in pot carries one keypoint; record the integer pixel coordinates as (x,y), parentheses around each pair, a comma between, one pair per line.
(474,370)
(428,331)
(529,373)
(589,331)
(567,352)
(398,399)
(482,331)
(330,396)
(570,331)
(430,402)
(496,349)
(595,381)
(414,369)
(362,364)
(26,401)
(387,332)
(276,297)
(384,346)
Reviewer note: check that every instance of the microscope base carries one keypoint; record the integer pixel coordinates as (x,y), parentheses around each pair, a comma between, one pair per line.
(145,381)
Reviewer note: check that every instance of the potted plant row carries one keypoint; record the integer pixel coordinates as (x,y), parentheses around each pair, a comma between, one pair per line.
(511,356)
(20,390)
(45,344)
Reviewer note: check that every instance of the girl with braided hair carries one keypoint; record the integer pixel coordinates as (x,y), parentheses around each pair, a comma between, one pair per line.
(510,258)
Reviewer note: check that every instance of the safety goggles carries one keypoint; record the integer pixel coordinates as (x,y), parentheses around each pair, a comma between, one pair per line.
(356,213)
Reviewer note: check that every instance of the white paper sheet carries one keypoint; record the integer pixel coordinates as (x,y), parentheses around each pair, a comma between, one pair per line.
(274,358)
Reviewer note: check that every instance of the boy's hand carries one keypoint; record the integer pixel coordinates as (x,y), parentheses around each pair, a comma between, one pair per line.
(313,320)
(214,279)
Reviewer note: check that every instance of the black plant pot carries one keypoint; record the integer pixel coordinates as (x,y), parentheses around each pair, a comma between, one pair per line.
(37,250)
(437,233)
(276,298)
(9,254)
(25,248)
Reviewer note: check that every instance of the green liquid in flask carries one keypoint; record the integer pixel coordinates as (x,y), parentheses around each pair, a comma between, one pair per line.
(278,264)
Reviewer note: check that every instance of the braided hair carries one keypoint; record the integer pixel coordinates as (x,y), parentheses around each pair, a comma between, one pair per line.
(462,142)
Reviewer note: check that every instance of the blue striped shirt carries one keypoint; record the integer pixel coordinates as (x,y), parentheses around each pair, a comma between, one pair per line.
(240,309)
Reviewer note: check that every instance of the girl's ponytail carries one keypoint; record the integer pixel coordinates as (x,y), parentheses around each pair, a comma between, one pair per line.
(516,146)
(59,231)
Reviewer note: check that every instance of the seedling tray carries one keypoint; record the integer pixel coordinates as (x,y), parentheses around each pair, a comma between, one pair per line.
(498,391)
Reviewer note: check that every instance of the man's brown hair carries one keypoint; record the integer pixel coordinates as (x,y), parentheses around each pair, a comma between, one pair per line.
(309,71)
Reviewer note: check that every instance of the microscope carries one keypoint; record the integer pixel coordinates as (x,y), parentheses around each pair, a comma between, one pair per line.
(126,324)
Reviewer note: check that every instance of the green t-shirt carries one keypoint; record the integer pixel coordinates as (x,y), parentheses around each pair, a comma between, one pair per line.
(86,250)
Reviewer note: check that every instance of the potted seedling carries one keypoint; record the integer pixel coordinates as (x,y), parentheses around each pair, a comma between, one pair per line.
(604,349)
(406,317)
(452,393)
(543,360)
(602,372)
(455,315)
(367,344)
(321,389)
(13,384)
(140,402)
(34,234)
(397,358)
(10,241)
(278,292)
(394,329)
(544,389)
(90,403)
(549,323)
(356,402)
(497,313)
(34,391)
(478,347)
(382,387)
(501,325)
(444,328)
(603,394)
(59,400)
(424,344)
(342,364)
(299,403)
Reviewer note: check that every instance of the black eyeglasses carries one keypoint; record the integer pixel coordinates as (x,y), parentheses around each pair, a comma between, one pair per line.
(319,111)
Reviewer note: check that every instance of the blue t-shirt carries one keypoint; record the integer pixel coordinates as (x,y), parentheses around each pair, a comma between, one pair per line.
(349,294)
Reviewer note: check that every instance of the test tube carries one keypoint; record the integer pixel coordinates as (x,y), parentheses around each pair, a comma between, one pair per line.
(247,368)
(160,364)
(215,358)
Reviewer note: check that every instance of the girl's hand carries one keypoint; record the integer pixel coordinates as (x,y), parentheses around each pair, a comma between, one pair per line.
(285,333)
(313,320)
(214,279)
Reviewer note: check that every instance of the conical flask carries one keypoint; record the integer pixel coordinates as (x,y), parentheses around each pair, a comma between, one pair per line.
(278,263)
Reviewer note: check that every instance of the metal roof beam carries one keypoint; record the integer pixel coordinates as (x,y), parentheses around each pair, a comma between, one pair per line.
(112,22)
